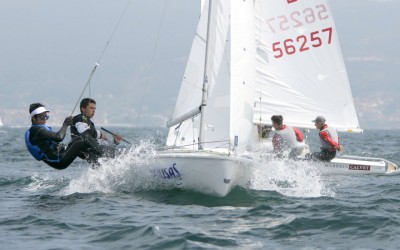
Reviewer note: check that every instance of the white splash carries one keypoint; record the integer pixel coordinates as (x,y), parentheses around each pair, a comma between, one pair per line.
(291,178)
(128,172)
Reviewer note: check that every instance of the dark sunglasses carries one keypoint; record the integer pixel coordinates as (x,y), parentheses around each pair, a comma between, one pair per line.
(43,117)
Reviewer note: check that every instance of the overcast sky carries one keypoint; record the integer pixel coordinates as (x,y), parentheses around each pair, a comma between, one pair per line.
(48,49)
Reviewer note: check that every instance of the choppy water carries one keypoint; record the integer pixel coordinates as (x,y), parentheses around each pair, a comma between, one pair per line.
(120,207)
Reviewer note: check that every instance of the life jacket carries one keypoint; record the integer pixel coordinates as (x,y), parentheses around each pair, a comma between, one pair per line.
(35,150)
(289,141)
(333,134)
(288,138)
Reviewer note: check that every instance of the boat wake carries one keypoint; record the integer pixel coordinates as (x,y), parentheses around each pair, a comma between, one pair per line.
(290,178)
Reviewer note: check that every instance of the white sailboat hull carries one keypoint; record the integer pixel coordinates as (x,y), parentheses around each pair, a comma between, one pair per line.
(347,164)
(203,171)
(358,165)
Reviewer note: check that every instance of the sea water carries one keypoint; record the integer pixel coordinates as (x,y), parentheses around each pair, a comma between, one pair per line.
(121,206)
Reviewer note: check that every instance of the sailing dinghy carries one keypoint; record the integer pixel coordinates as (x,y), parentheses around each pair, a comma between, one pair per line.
(213,117)
(300,74)
(251,59)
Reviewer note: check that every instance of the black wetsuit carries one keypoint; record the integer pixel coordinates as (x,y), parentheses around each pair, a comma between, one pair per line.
(95,150)
(83,119)
(58,156)
(324,155)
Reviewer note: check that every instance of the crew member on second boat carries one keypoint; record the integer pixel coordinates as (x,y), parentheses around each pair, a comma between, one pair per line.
(329,141)
(287,140)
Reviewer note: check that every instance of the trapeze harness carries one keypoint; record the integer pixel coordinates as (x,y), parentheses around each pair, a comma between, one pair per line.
(36,151)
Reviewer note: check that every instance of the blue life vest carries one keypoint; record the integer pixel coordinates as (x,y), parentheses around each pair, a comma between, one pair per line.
(35,151)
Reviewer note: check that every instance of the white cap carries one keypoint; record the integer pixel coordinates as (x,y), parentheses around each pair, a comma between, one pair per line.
(39,111)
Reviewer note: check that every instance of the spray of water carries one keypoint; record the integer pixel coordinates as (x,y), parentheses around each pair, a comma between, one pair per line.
(291,178)
(128,172)
(131,171)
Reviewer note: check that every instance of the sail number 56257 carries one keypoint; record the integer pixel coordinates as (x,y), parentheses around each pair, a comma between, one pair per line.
(298,18)
(302,43)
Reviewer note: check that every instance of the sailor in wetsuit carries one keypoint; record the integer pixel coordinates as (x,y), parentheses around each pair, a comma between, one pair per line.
(82,124)
(45,145)
(329,141)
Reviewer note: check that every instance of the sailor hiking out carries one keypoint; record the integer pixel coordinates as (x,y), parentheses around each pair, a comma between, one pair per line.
(82,124)
(45,145)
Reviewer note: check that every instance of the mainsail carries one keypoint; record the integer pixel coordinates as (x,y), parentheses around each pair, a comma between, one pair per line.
(230,75)
(243,54)
(300,71)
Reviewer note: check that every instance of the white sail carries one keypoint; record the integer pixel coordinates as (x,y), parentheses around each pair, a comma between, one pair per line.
(190,92)
(300,71)
(242,72)
(1,122)
(202,5)
(189,97)
(263,57)
(230,107)
(231,77)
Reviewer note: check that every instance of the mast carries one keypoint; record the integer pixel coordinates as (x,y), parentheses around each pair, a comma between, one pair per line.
(205,84)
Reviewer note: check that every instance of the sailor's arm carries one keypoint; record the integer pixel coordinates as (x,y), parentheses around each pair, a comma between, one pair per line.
(41,133)
(102,136)
(325,136)
(299,135)
(340,148)
(63,130)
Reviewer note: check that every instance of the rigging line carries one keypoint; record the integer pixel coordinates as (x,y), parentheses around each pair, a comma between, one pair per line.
(260,83)
(177,133)
(83,90)
(115,29)
(146,84)
(101,56)
(193,136)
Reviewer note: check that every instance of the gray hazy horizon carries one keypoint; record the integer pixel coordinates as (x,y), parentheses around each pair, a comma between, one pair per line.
(49,47)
